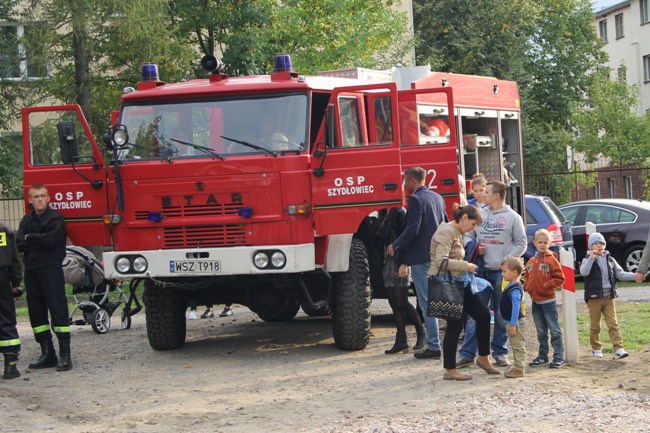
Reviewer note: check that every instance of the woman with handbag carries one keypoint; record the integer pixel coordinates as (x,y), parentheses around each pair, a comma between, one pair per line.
(396,283)
(447,256)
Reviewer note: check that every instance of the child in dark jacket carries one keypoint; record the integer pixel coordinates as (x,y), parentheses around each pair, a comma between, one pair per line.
(600,291)
(542,277)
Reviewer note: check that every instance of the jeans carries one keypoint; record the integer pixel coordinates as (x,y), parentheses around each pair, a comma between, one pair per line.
(546,319)
(499,338)
(420,276)
(468,350)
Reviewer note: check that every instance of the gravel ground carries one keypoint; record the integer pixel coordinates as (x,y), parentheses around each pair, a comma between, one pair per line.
(241,375)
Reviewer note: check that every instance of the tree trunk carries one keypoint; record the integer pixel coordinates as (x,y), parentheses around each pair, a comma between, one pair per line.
(81,58)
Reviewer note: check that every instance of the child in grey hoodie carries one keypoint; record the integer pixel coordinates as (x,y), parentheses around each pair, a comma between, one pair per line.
(600,291)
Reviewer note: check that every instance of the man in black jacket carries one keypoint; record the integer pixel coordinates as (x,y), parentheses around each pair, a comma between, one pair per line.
(41,237)
(426,211)
(10,276)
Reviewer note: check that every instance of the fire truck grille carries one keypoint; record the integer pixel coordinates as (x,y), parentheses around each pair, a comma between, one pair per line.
(194,211)
(227,235)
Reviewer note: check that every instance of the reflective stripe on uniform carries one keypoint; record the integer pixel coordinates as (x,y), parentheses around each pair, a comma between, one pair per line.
(42,328)
(61,329)
(8,343)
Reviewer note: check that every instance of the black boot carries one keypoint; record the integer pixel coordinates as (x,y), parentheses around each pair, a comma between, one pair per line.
(400,344)
(65,361)
(11,371)
(47,358)
(422,337)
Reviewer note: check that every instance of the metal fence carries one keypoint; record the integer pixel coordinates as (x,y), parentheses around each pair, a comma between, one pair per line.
(608,182)
(12,211)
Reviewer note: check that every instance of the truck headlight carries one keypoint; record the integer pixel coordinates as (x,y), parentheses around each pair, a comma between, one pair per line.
(123,265)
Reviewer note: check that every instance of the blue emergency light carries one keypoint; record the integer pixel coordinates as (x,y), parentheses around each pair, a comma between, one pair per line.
(149,72)
(245,212)
(155,217)
(283,63)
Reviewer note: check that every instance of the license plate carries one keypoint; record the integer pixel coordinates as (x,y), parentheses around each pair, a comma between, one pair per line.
(195,266)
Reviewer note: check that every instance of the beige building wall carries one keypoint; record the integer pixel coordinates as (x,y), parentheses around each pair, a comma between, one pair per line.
(625,28)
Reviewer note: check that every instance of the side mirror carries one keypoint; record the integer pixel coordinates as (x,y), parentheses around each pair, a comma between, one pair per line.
(67,141)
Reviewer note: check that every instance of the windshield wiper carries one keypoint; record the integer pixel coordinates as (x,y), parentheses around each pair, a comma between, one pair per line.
(204,149)
(251,145)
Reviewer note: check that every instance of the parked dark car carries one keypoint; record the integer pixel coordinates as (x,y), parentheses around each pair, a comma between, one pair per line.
(542,213)
(623,222)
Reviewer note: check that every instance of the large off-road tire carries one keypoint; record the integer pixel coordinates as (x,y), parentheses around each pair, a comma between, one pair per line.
(284,314)
(351,311)
(165,314)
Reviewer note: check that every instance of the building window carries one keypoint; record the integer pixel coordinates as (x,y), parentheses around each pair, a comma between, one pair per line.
(602,30)
(628,187)
(645,12)
(611,183)
(646,67)
(22,53)
(622,73)
(618,21)
(597,190)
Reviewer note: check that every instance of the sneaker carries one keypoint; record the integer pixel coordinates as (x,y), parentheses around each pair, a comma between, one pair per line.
(538,362)
(207,314)
(620,354)
(597,353)
(501,360)
(192,315)
(428,354)
(514,373)
(557,364)
(227,311)
(463,362)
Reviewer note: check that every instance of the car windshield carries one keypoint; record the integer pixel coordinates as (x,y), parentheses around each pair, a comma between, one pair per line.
(268,124)
(556,210)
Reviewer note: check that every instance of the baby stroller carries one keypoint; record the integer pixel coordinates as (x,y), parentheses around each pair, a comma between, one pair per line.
(96,297)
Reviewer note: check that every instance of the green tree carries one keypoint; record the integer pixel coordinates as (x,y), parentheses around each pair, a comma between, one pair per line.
(480,37)
(607,125)
(320,34)
(95,48)
(562,54)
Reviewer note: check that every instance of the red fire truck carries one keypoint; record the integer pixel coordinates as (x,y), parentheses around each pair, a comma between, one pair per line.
(256,190)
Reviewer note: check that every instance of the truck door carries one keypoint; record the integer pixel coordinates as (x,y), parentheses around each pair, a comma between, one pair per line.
(352,174)
(428,138)
(60,152)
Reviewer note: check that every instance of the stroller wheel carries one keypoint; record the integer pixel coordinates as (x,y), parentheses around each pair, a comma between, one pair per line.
(126,320)
(101,321)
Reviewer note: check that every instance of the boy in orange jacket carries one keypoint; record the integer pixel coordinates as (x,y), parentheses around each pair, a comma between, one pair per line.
(542,277)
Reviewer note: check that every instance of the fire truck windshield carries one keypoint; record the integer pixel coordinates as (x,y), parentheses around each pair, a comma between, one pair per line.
(263,124)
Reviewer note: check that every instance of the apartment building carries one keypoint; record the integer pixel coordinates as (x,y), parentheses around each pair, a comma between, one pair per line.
(625,29)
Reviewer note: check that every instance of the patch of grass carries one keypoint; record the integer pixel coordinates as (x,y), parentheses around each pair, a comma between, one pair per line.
(632,317)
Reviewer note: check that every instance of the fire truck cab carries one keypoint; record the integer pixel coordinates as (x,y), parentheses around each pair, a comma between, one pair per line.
(257,190)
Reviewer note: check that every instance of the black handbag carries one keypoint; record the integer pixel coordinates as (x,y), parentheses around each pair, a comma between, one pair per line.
(445,295)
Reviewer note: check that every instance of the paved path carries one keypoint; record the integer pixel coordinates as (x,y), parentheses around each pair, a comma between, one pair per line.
(634,293)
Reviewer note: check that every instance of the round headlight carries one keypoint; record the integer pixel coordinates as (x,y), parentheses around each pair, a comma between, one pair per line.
(140,264)
(278,259)
(120,137)
(123,265)
(261,260)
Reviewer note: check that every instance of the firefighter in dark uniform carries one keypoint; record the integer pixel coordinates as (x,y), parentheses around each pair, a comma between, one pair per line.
(41,237)
(10,276)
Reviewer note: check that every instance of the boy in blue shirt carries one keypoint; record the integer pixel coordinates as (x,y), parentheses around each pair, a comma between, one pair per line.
(512,314)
